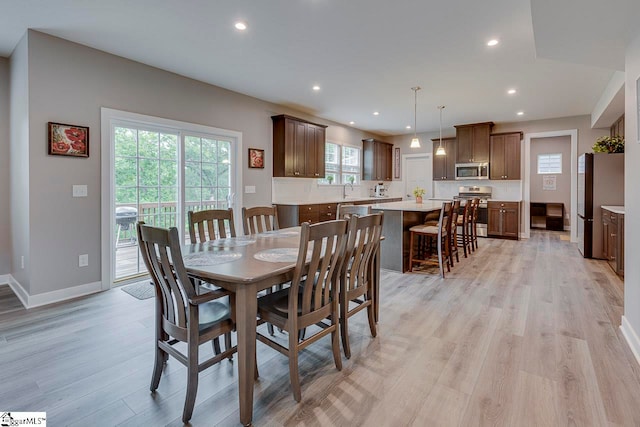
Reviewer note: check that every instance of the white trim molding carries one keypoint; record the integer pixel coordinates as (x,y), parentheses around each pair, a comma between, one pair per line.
(573,133)
(31,301)
(631,337)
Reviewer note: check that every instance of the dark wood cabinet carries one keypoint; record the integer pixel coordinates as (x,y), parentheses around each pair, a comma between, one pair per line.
(473,142)
(503,219)
(613,240)
(377,160)
(298,148)
(294,215)
(504,158)
(444,167)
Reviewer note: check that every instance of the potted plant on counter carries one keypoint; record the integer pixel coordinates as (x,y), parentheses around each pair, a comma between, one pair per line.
(609,144)
(418,192)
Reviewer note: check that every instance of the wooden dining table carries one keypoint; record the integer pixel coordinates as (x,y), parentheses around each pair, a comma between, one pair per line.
(246,265)
(233,266)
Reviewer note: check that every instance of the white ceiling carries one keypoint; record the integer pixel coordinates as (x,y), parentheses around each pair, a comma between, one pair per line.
(365,54)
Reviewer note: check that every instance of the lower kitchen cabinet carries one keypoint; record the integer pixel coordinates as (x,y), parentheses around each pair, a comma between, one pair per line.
(613,240)
(504,219)
(294,215)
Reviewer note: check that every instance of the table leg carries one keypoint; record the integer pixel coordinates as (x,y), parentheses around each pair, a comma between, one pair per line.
(246,310)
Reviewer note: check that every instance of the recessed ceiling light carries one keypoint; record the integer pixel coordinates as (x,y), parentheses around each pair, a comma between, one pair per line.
(492,42)
(408,126)
(520,113)
(352,123)
(316,88)
(511,91)
(241,26)
(376,113)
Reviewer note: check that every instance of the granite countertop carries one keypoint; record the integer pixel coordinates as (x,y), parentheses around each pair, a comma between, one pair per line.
(614,209)
(334,200)
(426,206)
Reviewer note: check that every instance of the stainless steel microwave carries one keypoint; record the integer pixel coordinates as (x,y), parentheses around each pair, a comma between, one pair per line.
(472,171)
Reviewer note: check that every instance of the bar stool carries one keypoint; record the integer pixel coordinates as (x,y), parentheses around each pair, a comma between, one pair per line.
(424,236)
(473,228)
(463,241)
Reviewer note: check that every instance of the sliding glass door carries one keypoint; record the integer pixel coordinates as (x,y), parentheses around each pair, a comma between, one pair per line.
(158,176)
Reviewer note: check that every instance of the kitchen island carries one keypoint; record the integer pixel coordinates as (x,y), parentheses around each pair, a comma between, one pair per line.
(399,217)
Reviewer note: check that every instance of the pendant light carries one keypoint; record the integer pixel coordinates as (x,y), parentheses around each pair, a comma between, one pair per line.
(440,151)
(415,142)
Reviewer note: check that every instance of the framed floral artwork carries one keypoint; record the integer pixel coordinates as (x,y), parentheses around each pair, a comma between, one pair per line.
(256,158)
(68,140)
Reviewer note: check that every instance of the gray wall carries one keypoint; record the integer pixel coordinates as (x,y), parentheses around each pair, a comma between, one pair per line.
(5,177)
(69,83)
(632,198)
(562,193)
(19,199)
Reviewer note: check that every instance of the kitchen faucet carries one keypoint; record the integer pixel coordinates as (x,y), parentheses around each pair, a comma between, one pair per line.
(344,189)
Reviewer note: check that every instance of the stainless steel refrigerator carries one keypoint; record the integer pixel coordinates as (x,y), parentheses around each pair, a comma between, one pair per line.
(600,182)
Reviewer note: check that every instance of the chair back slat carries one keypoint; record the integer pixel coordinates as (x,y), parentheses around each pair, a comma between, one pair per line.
(160,249)
(363,240)
(211,224)
(259,219)
(326,241)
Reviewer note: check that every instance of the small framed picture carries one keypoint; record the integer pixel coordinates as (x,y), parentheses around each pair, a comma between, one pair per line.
(68,140)
(256,158)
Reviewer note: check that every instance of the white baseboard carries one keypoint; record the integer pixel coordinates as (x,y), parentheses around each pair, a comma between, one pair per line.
(17,289)
(631,337)
(31,301)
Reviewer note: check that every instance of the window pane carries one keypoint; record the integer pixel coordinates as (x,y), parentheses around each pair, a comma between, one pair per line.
(148,144)
(350,178)
(332,154)
(126,171)
(350,156)
(549,163)
(209,150)
(224,152)
(168,146)
(192,149)
(209,178)
(148,172)
(126,143)
(192,174)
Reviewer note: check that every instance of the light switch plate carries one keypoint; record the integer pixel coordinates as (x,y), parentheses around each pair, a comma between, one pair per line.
(83,260)
(79,191)
(249,189)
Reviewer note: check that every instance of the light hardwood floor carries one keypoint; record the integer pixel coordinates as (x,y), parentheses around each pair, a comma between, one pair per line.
(520,334)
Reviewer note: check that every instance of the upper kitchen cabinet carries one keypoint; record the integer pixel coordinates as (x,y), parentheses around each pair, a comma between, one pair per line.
(377,160)
(444,167)
(298,148)
(504,162)
(473,142)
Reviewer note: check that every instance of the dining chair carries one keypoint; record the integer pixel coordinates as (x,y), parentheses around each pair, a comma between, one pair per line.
(210,224)
(313,298)
(453,232)
(345,210)
(473,227)
(424,237)
(181,314)
(357,277)
(462,224)
(259,219)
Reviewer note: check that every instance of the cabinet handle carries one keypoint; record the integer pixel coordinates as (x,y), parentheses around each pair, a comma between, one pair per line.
(316,174)
(328,214)
(613,235)
(296,173)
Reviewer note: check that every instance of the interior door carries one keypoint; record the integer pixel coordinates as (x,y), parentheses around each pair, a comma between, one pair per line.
(418,173)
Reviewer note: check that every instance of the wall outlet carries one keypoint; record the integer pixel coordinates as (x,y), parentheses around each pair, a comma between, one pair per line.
(79,191)
(249,189)
(83,260)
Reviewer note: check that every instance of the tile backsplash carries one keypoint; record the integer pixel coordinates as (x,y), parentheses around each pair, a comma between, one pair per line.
(302,190)
(501,190)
